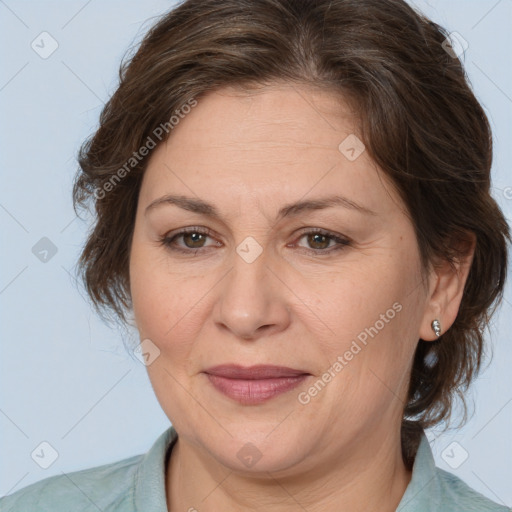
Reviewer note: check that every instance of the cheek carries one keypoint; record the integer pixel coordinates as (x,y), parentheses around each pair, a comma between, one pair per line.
(165,308)
(156,297)
(363,298)
(374,315)
(163,298)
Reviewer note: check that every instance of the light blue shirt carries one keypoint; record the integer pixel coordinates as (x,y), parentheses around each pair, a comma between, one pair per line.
(137,484)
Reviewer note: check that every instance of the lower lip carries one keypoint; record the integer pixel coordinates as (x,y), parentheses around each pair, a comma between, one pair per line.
(250,392)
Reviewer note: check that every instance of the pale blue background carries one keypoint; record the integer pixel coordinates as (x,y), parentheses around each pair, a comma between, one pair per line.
(65,376)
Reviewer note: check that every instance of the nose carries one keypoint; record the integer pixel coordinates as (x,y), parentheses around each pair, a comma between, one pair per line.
(253,300)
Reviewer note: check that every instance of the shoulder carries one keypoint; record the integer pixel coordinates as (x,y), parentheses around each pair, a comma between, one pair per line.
(108,487)
(463,497)
(133,484)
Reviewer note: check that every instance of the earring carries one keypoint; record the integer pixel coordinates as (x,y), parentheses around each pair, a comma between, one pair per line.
(436,327)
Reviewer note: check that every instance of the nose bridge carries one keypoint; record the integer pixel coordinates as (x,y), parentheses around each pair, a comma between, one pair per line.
(248,281)
(251,296)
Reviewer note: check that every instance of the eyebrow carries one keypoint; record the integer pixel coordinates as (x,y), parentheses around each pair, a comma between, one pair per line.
(204,208)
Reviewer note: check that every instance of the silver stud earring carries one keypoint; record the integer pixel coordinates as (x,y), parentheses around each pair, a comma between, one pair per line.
(436,327)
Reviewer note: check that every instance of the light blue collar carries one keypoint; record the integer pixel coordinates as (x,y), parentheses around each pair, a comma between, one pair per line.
(149,494)
(424,486)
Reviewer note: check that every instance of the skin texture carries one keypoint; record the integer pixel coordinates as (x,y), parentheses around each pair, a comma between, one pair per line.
(249,154)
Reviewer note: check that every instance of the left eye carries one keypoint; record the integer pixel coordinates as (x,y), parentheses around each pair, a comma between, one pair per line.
(320,241)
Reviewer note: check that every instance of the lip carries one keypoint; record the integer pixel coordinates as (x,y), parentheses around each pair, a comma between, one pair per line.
(257,372)
(255,384)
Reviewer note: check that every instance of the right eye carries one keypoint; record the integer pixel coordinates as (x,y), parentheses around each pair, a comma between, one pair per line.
(193,239)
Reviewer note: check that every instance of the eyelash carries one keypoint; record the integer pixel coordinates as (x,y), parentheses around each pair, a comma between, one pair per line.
(168,241)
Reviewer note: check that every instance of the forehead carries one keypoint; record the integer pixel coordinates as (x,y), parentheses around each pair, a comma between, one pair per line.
(272,145)
(274,114)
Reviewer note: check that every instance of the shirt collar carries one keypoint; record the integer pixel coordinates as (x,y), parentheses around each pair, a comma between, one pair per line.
(419,495)
(149,493)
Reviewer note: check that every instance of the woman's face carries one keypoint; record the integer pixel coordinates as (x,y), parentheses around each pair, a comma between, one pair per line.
(255,285)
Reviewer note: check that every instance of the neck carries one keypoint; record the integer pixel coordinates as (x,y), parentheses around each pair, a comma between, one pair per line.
(369,476)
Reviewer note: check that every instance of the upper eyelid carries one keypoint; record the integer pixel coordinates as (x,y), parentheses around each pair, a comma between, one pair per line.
(209,232)
(339,239)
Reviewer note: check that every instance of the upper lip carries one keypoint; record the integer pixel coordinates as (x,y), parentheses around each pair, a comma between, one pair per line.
(262,371)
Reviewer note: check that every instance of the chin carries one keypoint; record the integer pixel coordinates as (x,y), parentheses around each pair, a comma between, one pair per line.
(253,459)
(258,450)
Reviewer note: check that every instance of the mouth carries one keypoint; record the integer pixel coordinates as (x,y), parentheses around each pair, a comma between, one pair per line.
(255,384)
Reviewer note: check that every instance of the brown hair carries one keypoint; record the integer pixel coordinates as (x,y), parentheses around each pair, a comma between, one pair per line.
(420,122)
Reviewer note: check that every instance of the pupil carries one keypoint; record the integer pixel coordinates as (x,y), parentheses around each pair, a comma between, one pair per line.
(315,238)
(195,236)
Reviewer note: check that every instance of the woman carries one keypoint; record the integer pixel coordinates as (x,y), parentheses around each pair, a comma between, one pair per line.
(293,203)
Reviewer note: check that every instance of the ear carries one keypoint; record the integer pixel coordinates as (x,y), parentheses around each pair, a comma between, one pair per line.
(445,288)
